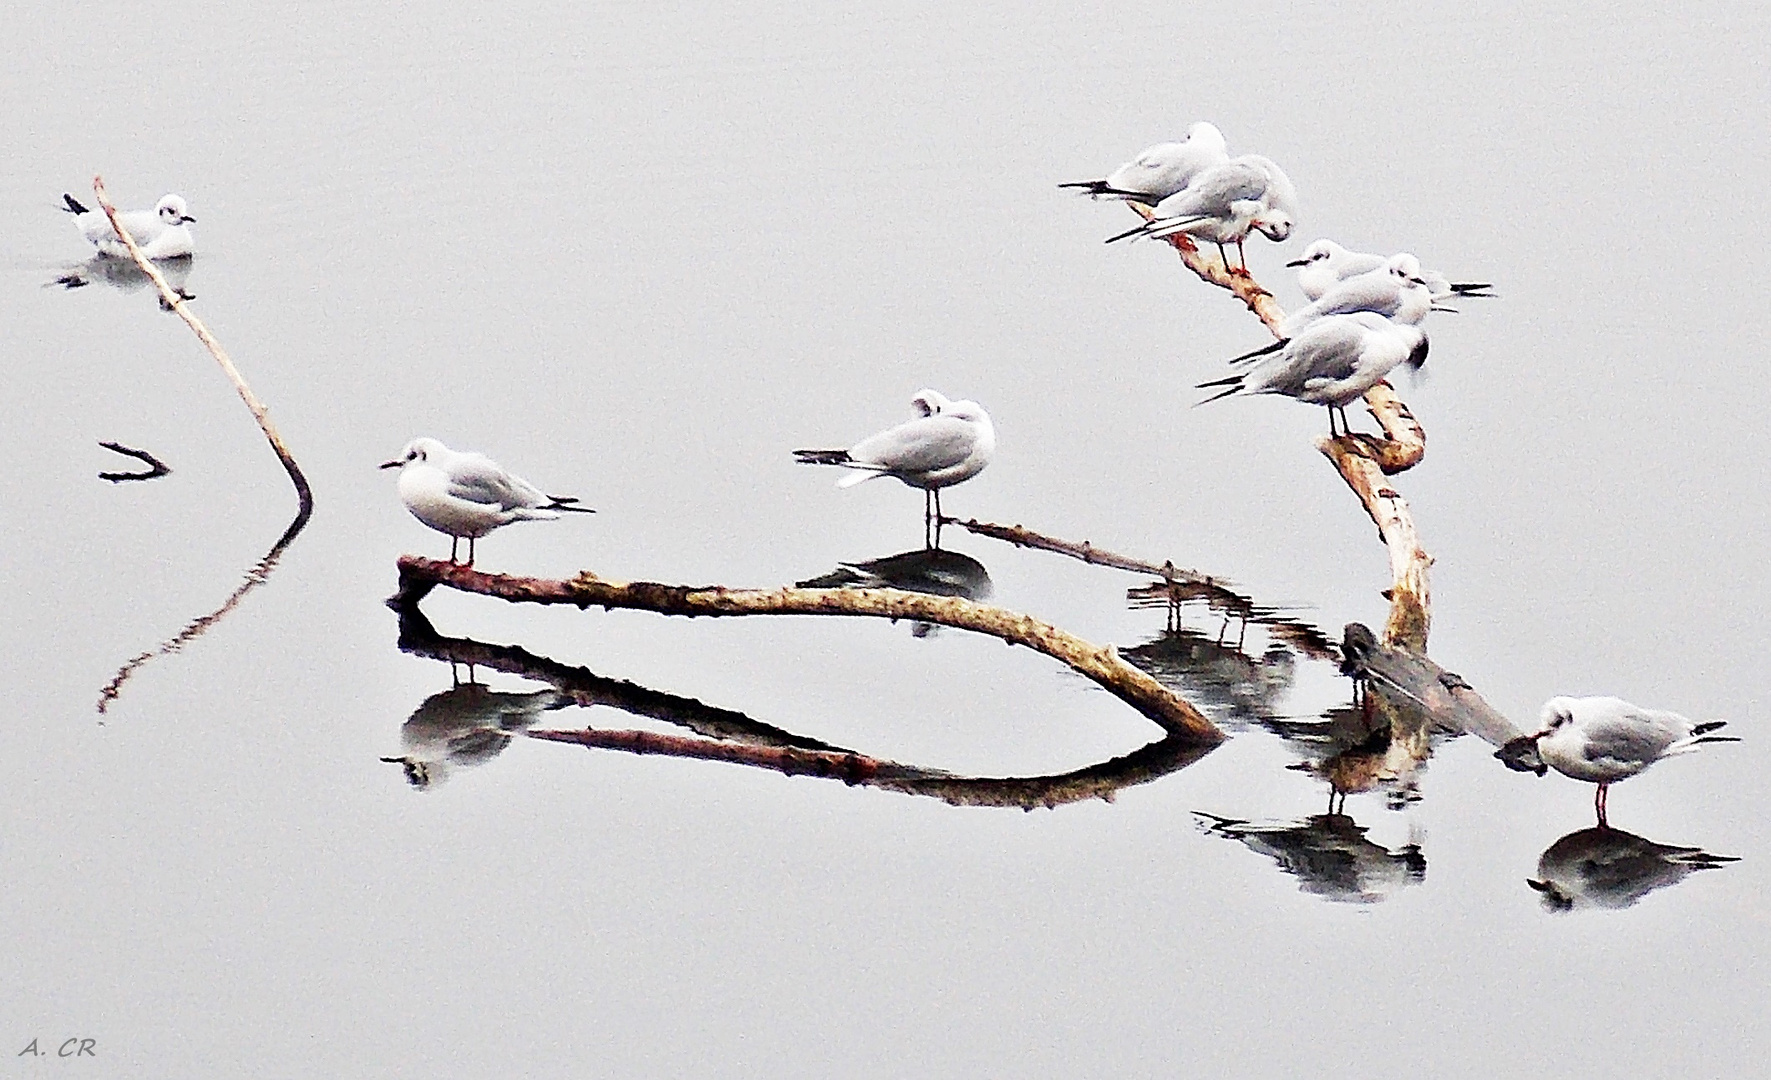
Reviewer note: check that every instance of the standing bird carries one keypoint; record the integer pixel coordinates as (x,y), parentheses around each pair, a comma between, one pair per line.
(1160,170)
(1331,362)
(468,495)
(160,232)
(1604,739)
(948,442)
(1225,203)
(1324,263)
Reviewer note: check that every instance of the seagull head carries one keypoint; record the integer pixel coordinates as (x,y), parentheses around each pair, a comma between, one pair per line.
(928,402)
(1208,136)
(1319,251)
(172,210)
(420,449)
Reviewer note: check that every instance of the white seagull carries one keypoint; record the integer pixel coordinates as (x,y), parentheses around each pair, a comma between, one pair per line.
(1225,203)
(468,495)
(1160,170)
(1604,739)
(1396,290)
(1324,263)
(160,232)
(948,442)
(1332,362)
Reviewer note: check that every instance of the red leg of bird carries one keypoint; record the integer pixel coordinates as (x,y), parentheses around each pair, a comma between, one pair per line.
(1599,805)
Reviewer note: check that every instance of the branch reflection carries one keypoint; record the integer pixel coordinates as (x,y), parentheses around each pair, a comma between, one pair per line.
(257,575)
(1609,868)
(124,276)
(933,571)
(725,735)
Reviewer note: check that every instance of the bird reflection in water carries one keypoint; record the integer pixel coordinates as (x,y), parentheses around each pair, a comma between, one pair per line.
(932,571)
(1608,868)
(1329,854)
(468,724)
(124,276)
(1231,685)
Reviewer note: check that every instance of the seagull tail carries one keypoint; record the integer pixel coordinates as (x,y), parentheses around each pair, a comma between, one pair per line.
(869,472)
(821,457)
(1100,189)
(1262,351)
(564,502)
(1700,735)
(1234,383)
(1139,231)
(1472,288)
(72,205)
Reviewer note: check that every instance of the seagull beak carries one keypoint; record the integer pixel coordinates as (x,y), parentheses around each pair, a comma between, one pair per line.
(1298,262)
(390,464)
(187,219)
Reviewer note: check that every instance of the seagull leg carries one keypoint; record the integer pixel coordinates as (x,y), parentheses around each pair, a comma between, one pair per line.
(936,493)
(470,541)
(1242,255)
(1599,805)
(453,542)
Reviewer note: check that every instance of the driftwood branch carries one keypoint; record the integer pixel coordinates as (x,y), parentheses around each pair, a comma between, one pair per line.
(738,739)
(1101,664)
(156,467)
(175,300)
(1362,460)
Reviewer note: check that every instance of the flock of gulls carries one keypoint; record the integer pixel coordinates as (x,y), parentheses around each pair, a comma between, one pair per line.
(1363,321)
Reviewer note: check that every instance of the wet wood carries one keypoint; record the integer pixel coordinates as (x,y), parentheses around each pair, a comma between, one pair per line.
(1450,703)
(1099,663)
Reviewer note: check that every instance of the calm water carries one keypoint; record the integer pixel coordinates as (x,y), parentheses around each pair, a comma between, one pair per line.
(638,257)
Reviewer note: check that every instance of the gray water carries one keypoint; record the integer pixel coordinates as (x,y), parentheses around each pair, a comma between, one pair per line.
(640,255)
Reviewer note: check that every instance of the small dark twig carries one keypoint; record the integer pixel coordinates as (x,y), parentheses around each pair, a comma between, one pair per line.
(156,467)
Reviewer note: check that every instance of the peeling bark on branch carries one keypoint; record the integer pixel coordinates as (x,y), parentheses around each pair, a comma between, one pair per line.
(1102,664)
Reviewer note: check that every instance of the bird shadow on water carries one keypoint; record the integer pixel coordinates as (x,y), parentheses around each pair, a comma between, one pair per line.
(256,575)
(1603,867)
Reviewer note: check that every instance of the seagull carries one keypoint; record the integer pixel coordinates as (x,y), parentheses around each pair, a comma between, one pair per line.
(1225,203)
(1160,170)
(1396,290)
(1325,262)
(1604,739)
(160,233)
(467,724)
(469,495)
(948,442)
(1331,362)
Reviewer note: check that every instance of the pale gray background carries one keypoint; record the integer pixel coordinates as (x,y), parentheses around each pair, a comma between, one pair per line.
(639,252)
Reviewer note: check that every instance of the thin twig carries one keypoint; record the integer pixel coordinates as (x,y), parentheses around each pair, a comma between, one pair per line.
(175,300)
(156,467)
(1102,664)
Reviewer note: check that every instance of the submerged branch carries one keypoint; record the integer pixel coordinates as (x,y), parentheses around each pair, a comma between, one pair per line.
(1102,664)
(738,739)
(1362,460)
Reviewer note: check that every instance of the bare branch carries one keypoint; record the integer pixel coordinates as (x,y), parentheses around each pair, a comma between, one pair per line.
(156,467)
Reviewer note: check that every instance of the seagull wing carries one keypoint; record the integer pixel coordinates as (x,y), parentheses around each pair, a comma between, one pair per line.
(1213,191)
(1328,349)
(1630,736)
(479,479)
(917,446)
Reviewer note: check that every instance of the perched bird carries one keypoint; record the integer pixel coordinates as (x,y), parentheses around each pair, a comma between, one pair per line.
(1604,739)
(160,232)
(1325,262)
(1331,362)
(1396,290)
(948,442)
(468,495)
(1161,170)
(1225,203)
